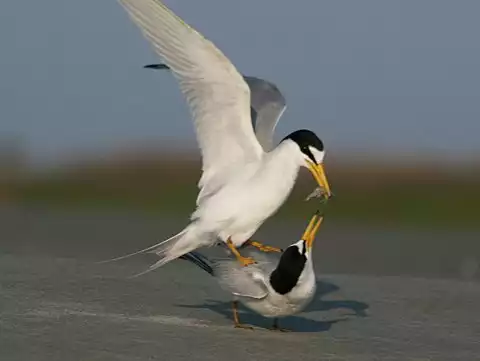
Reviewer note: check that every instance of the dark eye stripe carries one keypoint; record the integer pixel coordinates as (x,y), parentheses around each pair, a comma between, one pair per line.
(309,154)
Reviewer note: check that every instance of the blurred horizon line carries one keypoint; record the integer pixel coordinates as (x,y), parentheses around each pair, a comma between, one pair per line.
(15,154)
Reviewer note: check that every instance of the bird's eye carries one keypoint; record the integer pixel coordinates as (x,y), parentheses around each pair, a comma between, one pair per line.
(308,153)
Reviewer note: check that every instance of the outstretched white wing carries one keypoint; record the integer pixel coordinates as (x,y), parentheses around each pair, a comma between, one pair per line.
(218,97)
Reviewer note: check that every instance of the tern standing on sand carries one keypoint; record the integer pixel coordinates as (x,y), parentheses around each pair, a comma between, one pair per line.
(272,288)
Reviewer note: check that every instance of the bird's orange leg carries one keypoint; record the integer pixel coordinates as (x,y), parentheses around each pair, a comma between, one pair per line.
(236,319)
(245,261)
(263,247)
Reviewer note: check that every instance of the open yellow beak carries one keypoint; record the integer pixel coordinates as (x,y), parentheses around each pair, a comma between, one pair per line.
(312,229)
(318,173)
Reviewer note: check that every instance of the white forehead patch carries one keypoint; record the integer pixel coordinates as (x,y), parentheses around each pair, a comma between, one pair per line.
(301,246)
(317,154)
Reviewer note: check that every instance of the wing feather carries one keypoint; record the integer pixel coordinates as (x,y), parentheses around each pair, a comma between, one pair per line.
(241,281)
(268,105)
(267,262)
(216,93)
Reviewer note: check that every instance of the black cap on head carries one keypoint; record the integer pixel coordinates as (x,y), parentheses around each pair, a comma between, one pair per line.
(306,138)
(292,262)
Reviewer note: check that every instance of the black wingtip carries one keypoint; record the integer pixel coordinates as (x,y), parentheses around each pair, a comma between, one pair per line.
(156,66)
(199,260)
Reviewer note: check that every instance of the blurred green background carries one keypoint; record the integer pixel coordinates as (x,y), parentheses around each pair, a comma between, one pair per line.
(385,192)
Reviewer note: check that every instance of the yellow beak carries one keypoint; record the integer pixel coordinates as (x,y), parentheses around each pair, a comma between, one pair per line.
(312,229)
(318,173)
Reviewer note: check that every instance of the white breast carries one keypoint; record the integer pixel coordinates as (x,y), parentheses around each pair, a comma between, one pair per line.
(276,305)
(245,202)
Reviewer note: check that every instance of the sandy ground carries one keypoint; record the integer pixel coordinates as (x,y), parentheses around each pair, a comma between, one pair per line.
(57,303)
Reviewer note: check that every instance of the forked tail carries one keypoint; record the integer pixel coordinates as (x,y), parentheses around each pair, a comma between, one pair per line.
(151,249)
(185,241)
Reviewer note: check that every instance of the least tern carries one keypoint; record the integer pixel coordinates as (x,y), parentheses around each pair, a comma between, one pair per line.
(241,184)
(271,288)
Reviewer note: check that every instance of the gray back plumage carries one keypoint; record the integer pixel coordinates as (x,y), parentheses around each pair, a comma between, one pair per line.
(232,277)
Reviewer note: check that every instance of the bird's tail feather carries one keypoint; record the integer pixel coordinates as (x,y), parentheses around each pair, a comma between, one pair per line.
(153,267)
(175,247)
(151,249)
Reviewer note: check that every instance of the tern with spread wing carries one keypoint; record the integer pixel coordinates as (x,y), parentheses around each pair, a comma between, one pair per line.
(272,288)
(242,184)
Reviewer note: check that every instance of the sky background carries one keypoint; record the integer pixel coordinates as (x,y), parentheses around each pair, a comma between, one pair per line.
(367,76)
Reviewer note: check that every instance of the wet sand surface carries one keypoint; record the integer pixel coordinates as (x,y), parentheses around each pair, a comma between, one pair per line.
(382,295)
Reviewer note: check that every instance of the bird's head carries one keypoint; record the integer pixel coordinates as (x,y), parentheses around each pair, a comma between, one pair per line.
(296,259)
(311,154)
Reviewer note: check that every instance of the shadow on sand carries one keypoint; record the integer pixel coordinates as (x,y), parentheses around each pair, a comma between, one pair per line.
(294,323)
